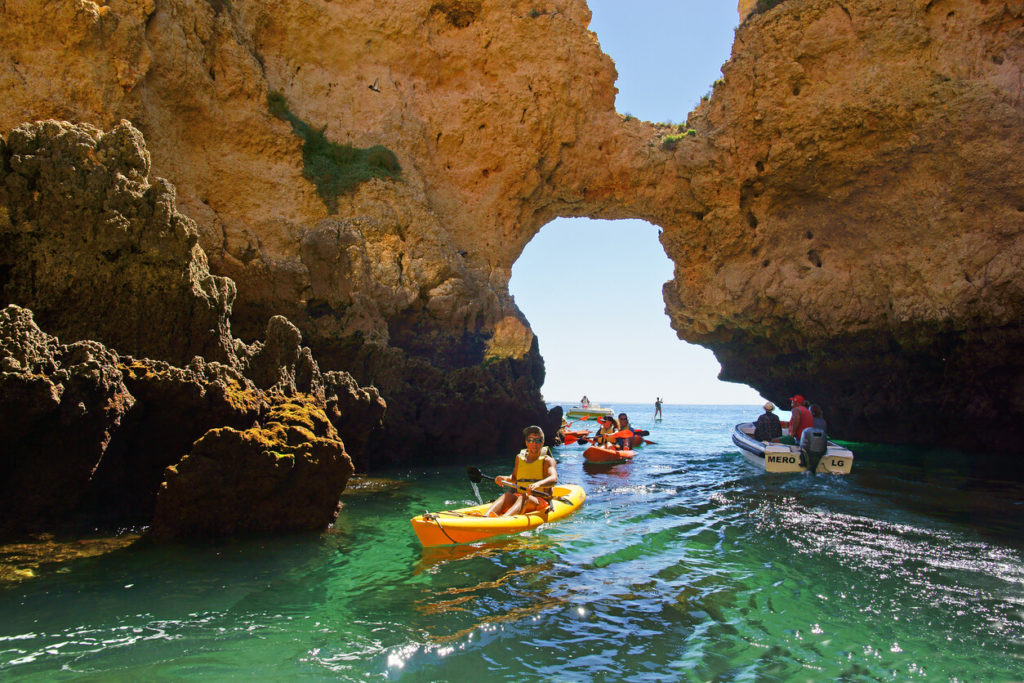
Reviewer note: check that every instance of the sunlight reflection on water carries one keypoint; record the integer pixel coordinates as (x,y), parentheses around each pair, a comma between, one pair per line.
(683,564)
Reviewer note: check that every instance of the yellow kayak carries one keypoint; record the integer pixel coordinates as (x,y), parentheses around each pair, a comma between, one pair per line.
(467,525)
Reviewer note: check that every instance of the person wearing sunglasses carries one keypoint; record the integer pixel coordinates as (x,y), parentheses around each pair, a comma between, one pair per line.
(623,443)
(534,470)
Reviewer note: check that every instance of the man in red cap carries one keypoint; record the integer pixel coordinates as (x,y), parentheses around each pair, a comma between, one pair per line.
(800,417)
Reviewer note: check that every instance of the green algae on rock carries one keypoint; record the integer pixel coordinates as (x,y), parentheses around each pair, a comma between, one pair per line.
(335,168)
(285,473)
(33,558)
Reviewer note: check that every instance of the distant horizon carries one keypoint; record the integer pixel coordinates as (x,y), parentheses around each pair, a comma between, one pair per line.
(601,404)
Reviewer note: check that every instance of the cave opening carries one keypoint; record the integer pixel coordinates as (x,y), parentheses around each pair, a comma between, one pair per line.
(592,291)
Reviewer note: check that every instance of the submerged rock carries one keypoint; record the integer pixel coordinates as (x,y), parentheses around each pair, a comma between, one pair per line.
(32,558)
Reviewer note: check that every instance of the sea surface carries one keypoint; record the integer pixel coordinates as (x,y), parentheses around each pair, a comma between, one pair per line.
(686,564)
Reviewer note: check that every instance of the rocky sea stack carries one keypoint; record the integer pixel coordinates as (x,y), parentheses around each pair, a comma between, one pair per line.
(861,234)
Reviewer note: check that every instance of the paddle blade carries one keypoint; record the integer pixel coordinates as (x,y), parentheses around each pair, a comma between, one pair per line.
(624,434)
(571,438)
(475,475)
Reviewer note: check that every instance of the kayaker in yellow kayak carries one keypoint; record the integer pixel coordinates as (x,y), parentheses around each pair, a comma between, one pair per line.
(534,470)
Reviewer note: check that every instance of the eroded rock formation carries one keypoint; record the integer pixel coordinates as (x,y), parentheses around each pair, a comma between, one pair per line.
(60,407)
(409,276)
(862,236)
(89,436)
(285,473)
(97,252)
(845,222)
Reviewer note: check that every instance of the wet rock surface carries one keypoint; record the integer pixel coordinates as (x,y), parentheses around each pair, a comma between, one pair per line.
(30,559)
(284,473)
(92,438)
(59,408)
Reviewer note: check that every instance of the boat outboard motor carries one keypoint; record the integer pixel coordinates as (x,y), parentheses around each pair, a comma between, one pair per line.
(813,446)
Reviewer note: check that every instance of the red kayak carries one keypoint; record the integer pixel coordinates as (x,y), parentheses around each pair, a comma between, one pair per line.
(605,456)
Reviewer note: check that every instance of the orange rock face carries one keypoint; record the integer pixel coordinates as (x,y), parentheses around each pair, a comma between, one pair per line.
(864,225)
(483,103)
(846,221)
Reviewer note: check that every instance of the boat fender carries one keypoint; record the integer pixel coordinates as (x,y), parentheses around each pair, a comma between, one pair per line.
(813,446)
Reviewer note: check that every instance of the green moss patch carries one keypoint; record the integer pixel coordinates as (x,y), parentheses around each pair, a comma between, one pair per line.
(670,142)
(335,169)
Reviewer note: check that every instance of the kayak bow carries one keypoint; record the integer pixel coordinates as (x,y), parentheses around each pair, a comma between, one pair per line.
(606,456)
(466,525)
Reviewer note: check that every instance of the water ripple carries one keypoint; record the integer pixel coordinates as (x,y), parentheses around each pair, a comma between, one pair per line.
(685,564)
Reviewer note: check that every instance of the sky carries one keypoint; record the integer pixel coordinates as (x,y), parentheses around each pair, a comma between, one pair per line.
(667,53)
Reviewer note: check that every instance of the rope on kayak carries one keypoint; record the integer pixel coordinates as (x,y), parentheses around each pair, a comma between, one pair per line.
(433,517)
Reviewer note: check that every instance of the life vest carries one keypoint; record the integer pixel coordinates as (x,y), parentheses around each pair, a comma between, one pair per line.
(606,429)
(813,446)
(528,472)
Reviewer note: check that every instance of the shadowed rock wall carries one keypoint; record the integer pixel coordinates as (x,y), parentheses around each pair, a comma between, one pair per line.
(92,436)
(99,253)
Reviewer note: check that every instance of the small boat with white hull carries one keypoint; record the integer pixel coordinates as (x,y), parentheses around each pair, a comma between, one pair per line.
(827,458)
(590,411)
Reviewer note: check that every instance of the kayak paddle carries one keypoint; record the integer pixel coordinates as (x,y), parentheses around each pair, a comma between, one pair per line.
(572,438)
(475,475)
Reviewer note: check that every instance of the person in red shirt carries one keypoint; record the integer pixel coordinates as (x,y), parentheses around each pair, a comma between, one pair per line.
(800,417)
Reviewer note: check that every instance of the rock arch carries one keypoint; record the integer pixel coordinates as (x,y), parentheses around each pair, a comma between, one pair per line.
(845,220)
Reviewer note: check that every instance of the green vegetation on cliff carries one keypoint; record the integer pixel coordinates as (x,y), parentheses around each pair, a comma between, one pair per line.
(335,169)
(670,142)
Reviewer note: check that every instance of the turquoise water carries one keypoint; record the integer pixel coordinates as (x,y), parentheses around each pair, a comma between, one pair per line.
(685,564)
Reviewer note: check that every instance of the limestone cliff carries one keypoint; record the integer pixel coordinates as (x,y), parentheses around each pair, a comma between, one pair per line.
(845,222)
(89,435)
(483,104)
(863,231)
